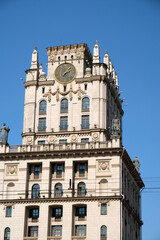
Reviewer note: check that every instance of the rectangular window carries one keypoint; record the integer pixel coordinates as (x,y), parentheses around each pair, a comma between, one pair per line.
(85,122)
(9,211)
(42,124)
(34,213)
(63,123)
(33,231)
(103,209)
(59,170)
(85,140)
(80,230)
(81,212)
(63,141)
(57,231)
(41,142)
(36,171)
(82,169)
(57,212)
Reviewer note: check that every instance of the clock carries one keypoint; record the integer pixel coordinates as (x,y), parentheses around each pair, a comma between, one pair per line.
(65,73)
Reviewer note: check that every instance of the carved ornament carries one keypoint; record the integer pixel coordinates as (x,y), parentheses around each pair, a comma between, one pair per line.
(103,165)
(11,170)
(79,92)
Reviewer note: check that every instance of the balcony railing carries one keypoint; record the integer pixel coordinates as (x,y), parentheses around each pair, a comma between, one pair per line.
(57,147)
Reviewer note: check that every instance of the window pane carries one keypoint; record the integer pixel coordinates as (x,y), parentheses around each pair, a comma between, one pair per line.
(42,124)
(9,211)
(63,123)
(85,121)
(103,209)
(42,107)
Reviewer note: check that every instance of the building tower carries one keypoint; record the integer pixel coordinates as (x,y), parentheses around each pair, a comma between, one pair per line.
(71,179)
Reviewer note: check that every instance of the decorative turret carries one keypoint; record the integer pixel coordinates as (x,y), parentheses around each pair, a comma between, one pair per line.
(41,73)
(96,57)
(106,58)
(34,62)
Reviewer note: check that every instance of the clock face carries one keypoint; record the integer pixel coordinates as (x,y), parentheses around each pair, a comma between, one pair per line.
(65,73)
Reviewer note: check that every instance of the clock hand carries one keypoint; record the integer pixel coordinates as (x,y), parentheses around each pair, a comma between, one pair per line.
(68,70)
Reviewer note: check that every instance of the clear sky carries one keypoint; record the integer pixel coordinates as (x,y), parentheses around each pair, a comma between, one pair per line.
(130,31)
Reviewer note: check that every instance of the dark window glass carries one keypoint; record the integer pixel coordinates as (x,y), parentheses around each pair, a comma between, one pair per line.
(58,190)
(85,86)
(85,140)
(41,142)
(80,230)
(85,122)
(63,123)
(63,141)
(103,209)
(103,232)
(7,233)
(59,170)
(64,105)
(43,90)
(57,212)
(57,231)
(34,213)
(81,189)
(42,107)
(65,57)
(36,171)
(36,191)
(81,211)
(85,104)
(9,211)
(42,124)
(82,169)
(33,231)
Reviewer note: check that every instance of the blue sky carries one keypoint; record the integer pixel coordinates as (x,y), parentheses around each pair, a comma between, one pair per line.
(130,31)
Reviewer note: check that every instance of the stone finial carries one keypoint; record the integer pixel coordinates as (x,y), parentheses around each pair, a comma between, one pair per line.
(136,163)
(116,126)
(41,72)
(96,57)
(4,133)
(34,62)
(106,58)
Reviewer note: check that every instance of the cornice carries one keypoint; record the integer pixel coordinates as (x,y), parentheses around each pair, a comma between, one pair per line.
(39,83)
(129,164)
(60,154)
(60,200)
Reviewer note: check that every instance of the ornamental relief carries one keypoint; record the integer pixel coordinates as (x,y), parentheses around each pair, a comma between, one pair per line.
(79,92)
(103,166)
(11,170)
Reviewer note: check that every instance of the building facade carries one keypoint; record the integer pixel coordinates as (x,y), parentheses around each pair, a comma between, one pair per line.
(71,179)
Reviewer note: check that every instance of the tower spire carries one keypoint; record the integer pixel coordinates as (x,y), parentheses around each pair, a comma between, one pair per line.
(34,62)
(96,57)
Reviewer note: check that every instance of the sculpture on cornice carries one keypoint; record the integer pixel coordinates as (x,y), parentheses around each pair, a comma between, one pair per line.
(116,126)
(4,133)
(136,163)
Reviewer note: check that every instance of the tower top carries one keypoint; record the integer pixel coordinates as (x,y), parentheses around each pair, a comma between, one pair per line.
(96,57)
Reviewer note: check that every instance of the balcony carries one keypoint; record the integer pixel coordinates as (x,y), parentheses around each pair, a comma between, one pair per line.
(57,147)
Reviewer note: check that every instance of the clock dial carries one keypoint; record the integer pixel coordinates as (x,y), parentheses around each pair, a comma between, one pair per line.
(65,73)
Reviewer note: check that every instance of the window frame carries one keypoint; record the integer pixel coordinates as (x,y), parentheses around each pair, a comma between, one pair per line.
(42,107)
(64,123)
(103,208)
(7,231)
(85,104)
(32,230)
(64,105)
(53,232)
(85,122)
(42,125)
(9,211)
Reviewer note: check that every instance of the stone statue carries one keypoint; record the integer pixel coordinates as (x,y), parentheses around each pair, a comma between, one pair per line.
(116,126)
(4,133)
(136,163)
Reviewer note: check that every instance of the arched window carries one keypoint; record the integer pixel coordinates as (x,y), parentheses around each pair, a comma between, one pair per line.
(81,189)
(64,105)
(103,232)
(36,191)
(58,190)
(85,104)
(42,107)
(7,233)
